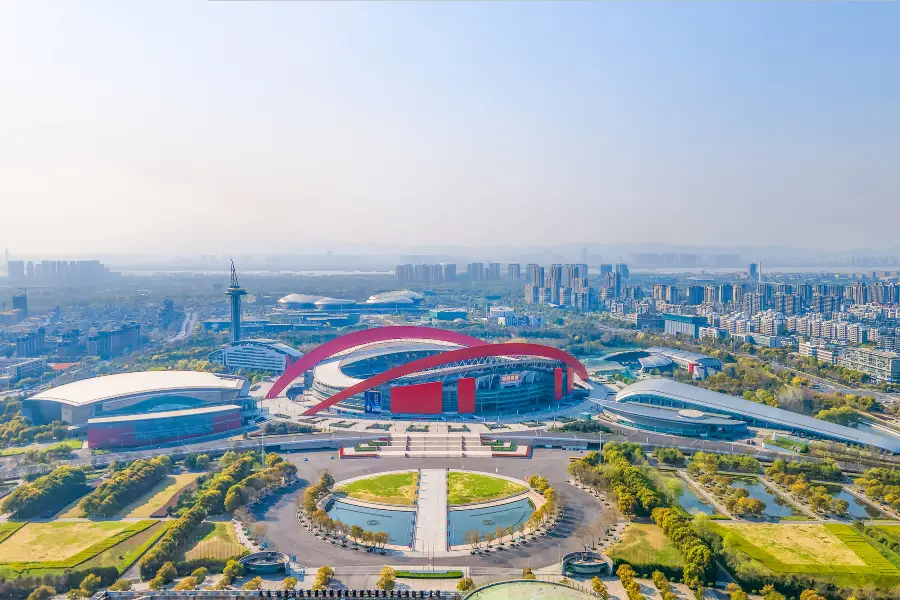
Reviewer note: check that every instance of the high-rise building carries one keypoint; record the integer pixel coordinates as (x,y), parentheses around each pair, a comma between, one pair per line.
(435,273)
(536,275)
(449,270)
(405,273)
(15,270)
(493,271)
(31,343)
(710,294)
(475,271)
(421,273)
(532,293)
(556,274)
(753,272)
(604,269)
(514,271)
(622,270)
(20,302)
(614,284)
(695,294)
(235,291)
(583,270)
(725,293)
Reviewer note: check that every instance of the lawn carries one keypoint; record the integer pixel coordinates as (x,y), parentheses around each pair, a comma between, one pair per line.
(55,541)
(159,496)
(832,552)
(121,555)
(390,488)
(7,528)
(466,488)
(213,540)
(73,444)
(644,544)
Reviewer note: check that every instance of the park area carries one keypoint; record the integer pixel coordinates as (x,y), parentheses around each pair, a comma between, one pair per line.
(643,546)
(163,494)
(469,488)
(833,552)
(389,488)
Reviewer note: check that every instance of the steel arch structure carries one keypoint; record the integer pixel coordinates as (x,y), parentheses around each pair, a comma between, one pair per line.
(429,362)
(367,336)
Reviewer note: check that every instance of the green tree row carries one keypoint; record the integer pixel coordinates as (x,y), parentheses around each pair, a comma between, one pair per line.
(45,494)
(125,486)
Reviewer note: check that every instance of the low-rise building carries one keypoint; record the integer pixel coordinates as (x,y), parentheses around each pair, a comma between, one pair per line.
(256,355)
(880,365)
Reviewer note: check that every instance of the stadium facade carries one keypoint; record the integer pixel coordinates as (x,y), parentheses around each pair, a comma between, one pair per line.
(668,406)
(150,407)
(255,355)
(408,370)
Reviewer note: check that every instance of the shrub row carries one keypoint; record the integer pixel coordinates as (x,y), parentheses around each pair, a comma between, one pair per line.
(698,558)
(125,486)
(22,586)
(428,574)
(46,494)
(250,487)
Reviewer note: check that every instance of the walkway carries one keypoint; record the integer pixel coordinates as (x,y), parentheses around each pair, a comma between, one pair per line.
(431,520)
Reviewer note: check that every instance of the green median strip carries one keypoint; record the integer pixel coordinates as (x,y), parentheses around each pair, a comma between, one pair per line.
(428,574)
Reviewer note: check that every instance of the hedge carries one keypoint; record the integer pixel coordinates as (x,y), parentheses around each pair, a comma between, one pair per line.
(86,554)
(213,565)
(428,574)
(125,486)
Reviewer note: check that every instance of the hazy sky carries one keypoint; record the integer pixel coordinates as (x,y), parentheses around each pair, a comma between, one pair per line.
(161,126)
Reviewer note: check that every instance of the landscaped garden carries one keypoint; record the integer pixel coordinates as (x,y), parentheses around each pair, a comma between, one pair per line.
(389,488)
(468,488)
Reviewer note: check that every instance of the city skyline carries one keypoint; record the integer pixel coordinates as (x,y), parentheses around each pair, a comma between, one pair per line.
(162,127)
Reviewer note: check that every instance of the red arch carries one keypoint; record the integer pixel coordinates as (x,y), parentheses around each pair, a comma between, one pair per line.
(367,336)
(436,360)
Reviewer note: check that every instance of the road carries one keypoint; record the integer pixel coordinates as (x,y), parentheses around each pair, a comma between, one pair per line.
(187,326)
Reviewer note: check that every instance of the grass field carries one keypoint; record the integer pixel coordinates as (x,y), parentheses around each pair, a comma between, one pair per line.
(121,555)
(390,488)
(831,552)
(213,540)
(7,528)
(156,498)
(466,488)
(73,444)
(645,544)
(55,541)
(891,531)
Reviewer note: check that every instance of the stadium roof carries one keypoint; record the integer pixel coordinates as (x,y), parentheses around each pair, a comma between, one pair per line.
(716,402)
(96,389)
(273,344)
(667,414)
(299,299)
(167,414)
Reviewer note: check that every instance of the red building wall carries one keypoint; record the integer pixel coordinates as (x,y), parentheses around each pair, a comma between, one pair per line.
(570,380)
(466,395)
(557,384)
(422,398)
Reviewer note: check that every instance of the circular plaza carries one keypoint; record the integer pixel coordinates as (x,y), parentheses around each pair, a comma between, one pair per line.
(434,512)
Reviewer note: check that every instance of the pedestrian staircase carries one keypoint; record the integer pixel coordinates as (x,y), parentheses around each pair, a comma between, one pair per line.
(435,445)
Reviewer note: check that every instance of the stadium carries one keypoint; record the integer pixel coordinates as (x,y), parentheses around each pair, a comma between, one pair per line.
(409,371)
(131,393)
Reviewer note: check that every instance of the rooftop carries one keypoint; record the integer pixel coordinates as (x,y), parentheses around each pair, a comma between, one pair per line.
(715,401)
(96,389)
(168,414)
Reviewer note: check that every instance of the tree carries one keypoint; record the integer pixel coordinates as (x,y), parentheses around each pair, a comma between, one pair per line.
(811,595)
(122,585)
(75,594)
(253,584)
(188,583)
(387,579)
(527,573)
(463,584)
(200,574)
(599,588)
(167,572)
(289,583)
(42,592)
(473,537)
(768,593)
(356,532)
(90,584)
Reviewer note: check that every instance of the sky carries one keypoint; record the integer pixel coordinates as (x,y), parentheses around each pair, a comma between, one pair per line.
(187,126)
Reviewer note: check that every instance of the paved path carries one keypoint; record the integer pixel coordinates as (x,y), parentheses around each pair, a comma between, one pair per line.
(431,521)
